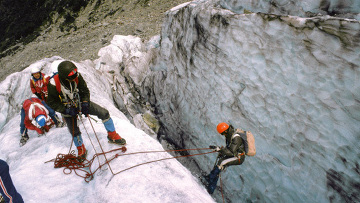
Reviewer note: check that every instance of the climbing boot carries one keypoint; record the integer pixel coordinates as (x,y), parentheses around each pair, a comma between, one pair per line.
(60,124)
(204,179)
(212,179)
(24,139)
(113,137)
(82,152)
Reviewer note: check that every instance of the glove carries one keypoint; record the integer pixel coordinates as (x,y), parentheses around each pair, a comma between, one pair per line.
(46,128)
(40,131)
(215,148)
(72,111)
(85,108)
(45,93)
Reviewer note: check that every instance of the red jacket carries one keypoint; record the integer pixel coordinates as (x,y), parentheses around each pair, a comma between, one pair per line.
(39,87)
(34,108)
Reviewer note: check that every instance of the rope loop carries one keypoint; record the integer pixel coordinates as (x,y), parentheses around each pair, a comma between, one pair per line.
(71,163)
(83,167)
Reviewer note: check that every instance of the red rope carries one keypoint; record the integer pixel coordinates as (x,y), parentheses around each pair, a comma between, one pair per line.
(71,162)
(92,144)
(163,158)
(221,187)
(73,134)
(123,148)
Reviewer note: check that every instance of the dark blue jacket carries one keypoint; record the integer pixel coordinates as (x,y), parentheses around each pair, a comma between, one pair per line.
(7,188)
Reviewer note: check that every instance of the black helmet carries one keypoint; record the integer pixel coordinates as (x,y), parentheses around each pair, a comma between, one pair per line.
(67,71)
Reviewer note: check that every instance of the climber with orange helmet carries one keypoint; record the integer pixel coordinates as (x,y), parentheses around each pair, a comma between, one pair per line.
(232,154)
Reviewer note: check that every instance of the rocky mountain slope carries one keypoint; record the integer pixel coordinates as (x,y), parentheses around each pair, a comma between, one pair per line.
(74,31)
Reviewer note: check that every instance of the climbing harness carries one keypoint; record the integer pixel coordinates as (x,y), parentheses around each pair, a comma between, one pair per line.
(69,97)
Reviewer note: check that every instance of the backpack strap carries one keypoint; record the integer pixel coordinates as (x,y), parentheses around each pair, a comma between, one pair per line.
(53,75)
(235,135)
(57,83)
(242,135)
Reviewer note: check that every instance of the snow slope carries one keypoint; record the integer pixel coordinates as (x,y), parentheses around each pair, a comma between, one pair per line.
(291,80)
(37,181)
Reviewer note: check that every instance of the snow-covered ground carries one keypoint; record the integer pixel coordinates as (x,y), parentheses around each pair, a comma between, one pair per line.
(37,181)
(292,81)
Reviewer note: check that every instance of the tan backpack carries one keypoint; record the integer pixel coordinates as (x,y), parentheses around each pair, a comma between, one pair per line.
(248,140)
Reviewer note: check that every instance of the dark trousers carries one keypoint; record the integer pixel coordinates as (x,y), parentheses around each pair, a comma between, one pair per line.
(230,161)
(51,112)
(222,162)
(23,130)
(212,179)
(7,188)
(94,109)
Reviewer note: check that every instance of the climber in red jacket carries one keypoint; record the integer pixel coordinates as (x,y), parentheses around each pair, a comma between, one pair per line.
(34,116)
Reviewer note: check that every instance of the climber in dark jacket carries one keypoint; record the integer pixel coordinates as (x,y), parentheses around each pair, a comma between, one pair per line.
(69,95)
(232,154)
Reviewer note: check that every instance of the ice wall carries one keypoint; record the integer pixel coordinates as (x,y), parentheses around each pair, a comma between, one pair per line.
(302,8)
(292,81)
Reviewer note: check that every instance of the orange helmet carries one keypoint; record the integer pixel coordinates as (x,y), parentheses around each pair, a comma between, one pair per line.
(221,127)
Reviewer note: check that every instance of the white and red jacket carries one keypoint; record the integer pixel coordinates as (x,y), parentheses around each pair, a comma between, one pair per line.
(34,108)
(39,86)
